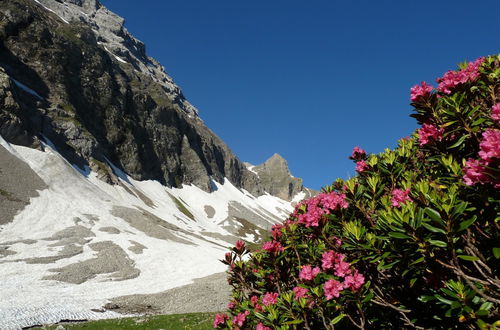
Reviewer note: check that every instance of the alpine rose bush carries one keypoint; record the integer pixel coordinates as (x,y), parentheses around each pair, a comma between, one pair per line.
(411,242)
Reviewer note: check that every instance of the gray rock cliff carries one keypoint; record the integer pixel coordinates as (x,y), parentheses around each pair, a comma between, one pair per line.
(71,73)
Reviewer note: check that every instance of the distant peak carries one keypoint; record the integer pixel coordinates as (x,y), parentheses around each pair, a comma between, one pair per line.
(276,157)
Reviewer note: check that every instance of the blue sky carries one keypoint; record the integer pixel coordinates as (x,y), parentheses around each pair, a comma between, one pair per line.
(309,79)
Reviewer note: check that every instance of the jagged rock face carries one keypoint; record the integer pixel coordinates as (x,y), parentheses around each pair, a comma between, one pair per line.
(95,104)
(70,72)
(276,179)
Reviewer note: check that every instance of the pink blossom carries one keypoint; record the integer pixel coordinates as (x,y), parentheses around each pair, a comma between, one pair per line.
(354,281)
(219,320)
(300,292)
(332,288)
(361,166)
(419,92)
(231,304)
(342,268)
(312,216)
(400,196)
(270,299)
(240,245)
(254,300)
(317,206)
(261,326)
(273,247)
(330,258)
(474,172)
(276,230)
(452,79)
(429,131)
(308,273)
(358,153)
(495,113)
(490,145)
(240,318)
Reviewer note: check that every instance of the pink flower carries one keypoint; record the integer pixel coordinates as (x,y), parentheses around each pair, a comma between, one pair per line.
(361,166)
(330,258)
(219,320)
(400,196)
(452,79)
(270,299)
(300,292)
(490,145)
(254,300)
(231,304)
(261,326)
(312,216)
(240,245)
(419,92)
(276,230)
(332,201)
(308,273)
(240,318)
(429,131)
(495,113)
(273,247)
(474,172)
(358,153)
(354,281)
(332,288)
(342,269)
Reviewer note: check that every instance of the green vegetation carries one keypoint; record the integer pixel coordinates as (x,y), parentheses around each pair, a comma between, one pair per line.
(191,321)
(181,207)
(413,241)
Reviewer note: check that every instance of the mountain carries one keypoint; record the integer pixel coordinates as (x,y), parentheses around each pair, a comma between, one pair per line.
(110,182)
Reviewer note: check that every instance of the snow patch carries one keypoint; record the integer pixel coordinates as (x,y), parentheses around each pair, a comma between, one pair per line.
(65,21)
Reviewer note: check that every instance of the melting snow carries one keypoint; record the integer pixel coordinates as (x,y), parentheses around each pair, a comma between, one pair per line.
(76,196)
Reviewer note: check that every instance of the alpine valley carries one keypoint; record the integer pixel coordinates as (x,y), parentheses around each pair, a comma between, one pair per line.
(111,185)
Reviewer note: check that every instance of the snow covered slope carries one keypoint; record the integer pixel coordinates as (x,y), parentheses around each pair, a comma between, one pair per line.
(82,241)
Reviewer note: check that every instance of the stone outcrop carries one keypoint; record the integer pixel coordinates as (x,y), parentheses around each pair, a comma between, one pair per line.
(71,74)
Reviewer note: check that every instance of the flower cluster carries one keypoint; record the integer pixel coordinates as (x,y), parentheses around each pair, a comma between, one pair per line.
(452,79)
(485,169)
(420,92)
(322,204)
(495,113)
(429,131)
(273,247)
(361,166)
(358,154)
(399,197)
(308,273)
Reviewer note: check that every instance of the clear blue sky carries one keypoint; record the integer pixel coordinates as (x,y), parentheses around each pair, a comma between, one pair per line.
(309,79)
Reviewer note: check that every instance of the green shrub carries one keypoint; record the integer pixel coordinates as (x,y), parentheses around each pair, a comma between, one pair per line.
(411,242)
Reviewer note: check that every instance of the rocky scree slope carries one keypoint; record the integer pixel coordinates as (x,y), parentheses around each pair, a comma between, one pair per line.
(72,73)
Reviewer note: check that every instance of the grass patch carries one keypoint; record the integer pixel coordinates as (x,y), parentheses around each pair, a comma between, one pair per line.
(7,195)
(192,321)
(181,207)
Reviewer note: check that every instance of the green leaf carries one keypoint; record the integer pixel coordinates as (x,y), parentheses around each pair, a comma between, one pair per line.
(465,224)
(395,234)
(433,229)
(496,252)
(426,298)
(294,321)
(459,142)
(443,300)
(368,297)
(438,243)
(468,258)
(337,319)
(433,214)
